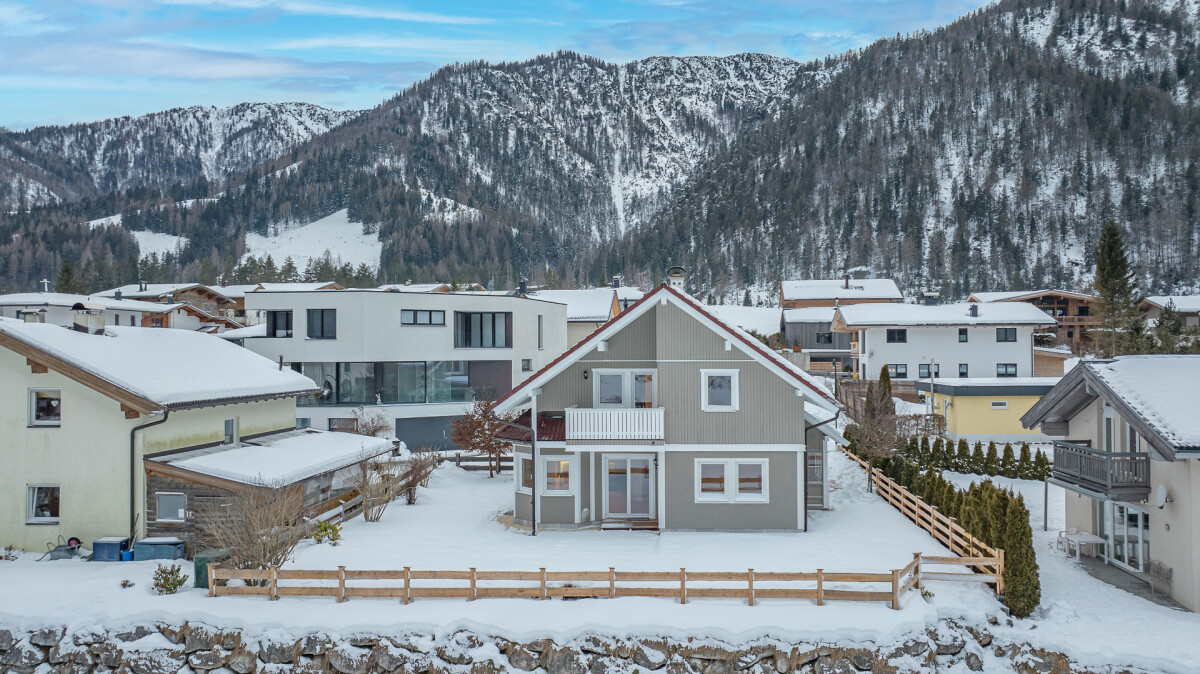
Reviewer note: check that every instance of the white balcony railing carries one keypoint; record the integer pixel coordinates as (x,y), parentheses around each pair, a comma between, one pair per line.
(615,424)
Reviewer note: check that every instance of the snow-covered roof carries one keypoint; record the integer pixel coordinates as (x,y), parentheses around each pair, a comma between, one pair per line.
(170,368)
(283,458)
(629,293)
(249,331)
(589,304)
(70,300)
(1017,295)
(809,315)
(959,314)
(835,289)
(763,320)
(1159,389)
(295,287)
(1188,304)
(158,290)
(234,292)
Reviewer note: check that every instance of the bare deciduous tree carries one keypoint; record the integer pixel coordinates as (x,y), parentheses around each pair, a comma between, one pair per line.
(260,526)
(381,482)
(370,423)
(476,432)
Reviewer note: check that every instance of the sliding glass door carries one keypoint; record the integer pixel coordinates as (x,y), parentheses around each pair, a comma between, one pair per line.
(628,486)
(1127,530)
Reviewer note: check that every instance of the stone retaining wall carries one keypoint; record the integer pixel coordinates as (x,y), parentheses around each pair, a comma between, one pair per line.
(195,647)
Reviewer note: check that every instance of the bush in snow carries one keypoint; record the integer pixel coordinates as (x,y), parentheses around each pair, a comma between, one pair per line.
(259,525)
(1025,469)
(169,578)
(1008,462)
(327,532)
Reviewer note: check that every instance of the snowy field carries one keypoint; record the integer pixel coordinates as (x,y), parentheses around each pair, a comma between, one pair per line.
(343,239)
(157,242)
(455,526)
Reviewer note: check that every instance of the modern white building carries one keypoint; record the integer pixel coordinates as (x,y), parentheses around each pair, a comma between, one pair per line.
(949,340)
(418,358)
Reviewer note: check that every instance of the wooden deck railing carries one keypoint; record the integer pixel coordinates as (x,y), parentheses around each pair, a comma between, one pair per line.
(1102,471)
(985,562)
(409,584)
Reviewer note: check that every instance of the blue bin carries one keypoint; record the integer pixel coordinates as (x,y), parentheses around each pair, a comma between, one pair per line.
(109,548)
(158,548)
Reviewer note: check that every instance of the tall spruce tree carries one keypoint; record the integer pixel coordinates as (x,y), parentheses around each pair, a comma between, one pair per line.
(1116,289)
(67,280)
(1008,462)
(883,393)
(1168,331)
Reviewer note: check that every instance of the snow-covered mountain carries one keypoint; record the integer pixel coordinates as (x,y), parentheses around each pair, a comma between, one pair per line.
(51,163)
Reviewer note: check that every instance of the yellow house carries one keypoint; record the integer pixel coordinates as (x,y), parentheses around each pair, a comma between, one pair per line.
(81,408)
(986,409)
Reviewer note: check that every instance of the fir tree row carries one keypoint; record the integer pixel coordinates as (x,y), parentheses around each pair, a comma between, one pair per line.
(944,455)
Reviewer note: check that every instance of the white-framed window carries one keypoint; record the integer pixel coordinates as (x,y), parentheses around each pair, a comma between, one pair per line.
(719,390)
(999,404)
(523,473)
(45,407)
(625,388)
(732,481)
(170,506)
(41,504)
(231,436)
(557,472)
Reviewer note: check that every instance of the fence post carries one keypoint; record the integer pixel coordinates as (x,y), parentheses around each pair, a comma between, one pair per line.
(933,513)
(612,582)
(896,589)
(407,585)
(341,584)
(999,571)
(473,595)
(820,587)
(750,585)
(458,459)
(682,586)
(212,582)
(543,569)
(274,582)
(950,522)
(917,571)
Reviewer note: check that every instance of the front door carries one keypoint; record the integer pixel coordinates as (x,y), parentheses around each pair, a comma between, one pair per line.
(628,486)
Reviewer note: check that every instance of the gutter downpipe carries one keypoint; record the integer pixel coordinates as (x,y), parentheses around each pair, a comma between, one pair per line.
(533,422)
(133,468)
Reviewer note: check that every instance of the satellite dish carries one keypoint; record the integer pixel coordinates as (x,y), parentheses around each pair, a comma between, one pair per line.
(1160,497)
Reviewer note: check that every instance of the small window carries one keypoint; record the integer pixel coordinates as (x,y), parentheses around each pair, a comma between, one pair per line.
(131,324)
(1006,369)
(999,404)
(322,323)
(541,341)
(422,317)
(279,324)
(343,425)
(824,338)
(962,334)
(898,370)
(156,322)
(1006,334)
(231,432)
(45,407)
(897,336)
(558,475)
(526,474)
(962,370)
(526,365)
(923,370)
(731,481)
(719,390)
(303,422)
(41,504)
(171,507)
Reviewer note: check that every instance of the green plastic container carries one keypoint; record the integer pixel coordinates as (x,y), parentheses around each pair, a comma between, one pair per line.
(201,562)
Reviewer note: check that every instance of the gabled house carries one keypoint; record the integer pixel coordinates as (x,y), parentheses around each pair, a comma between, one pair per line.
(1188,307)
(1074,312)
(61,309)
(202,303)
(837,292)
(84,411)
(948,340)
(1128,462)
(668,418)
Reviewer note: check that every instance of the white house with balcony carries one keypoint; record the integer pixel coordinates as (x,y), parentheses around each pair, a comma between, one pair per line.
(948,340)
(669,418)
(419,359)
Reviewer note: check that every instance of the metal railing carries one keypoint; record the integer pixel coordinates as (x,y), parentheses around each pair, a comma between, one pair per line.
(1103,471)
(615,424)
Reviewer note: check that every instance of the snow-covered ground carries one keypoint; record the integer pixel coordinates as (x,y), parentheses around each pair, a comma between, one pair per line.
(454,526)
(157,242)
(343,239)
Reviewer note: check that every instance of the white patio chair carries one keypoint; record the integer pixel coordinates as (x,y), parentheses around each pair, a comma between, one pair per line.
(1064,544)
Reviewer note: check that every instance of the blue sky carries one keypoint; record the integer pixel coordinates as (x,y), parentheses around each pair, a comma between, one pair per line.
(63,62)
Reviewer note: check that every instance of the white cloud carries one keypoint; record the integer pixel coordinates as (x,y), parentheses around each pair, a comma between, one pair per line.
(314,8)
(421,44)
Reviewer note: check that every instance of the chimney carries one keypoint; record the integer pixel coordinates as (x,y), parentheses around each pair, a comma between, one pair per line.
(676,276)
(846,281)
(523,286)
(117,295)
(408,282)
(38,316)
(88,319)
(616,281)
(974,311)
(931,298)
(142,286)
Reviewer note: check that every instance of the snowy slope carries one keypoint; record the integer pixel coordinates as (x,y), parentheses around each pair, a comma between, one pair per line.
(335,234)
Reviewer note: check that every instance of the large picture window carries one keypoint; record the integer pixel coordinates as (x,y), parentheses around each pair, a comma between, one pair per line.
(732,480)
(41,504)
(322,323)
(482,330)
(45,407)
(719,390)
(279,324)
(407,382)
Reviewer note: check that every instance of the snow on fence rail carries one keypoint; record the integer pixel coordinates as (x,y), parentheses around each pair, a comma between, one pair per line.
(985,562)
(683,585)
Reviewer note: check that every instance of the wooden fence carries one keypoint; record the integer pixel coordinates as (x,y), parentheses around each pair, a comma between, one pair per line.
(985,562)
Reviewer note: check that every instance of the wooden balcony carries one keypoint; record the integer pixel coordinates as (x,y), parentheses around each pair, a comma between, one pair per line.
(615,424)
(1121,475)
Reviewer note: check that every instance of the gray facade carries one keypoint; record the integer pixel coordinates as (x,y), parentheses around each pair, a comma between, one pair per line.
(816,337)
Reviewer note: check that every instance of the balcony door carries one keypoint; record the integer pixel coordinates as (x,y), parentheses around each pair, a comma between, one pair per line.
(636,389)
(628,486)
(1127,530)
